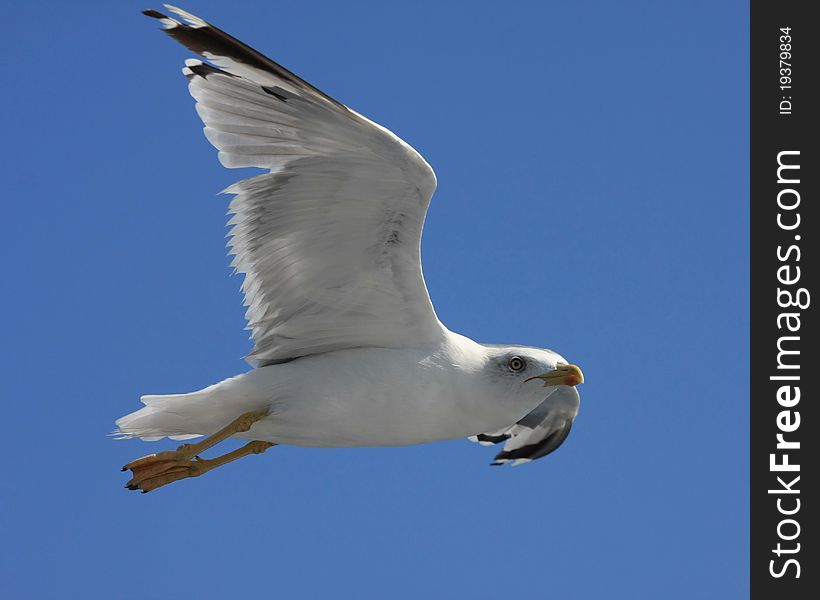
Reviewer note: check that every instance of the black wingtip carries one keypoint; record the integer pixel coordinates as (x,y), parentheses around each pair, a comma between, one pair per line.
(539,449)
(493,439)
(209,41)
(203,70)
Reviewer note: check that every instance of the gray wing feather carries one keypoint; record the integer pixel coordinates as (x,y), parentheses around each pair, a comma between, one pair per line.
(539,432)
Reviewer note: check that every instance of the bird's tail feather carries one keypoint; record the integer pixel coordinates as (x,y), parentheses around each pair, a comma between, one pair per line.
(162,416)
(186,416)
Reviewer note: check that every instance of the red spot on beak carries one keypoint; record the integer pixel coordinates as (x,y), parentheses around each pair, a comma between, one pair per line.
(572,380)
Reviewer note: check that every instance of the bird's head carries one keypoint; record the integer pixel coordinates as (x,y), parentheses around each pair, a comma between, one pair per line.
(526,371)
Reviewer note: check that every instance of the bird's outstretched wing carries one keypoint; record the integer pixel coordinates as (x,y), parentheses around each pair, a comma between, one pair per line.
(539,432)
(328,241)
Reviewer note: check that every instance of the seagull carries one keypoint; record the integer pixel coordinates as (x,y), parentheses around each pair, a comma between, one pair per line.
(348,350)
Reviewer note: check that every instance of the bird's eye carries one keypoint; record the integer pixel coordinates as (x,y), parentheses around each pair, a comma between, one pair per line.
(517,363)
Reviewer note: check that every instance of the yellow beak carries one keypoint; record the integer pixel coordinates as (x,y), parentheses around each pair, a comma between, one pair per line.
(562,375)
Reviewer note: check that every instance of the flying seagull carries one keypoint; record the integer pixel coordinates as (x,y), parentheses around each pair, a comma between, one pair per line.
(348,350)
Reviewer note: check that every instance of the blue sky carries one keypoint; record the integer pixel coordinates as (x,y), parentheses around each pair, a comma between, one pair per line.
(593,198)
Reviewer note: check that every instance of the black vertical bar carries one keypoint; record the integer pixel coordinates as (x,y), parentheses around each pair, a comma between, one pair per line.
(785,67)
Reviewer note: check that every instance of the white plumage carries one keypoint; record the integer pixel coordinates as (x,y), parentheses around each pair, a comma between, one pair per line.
(347,347)
(328,241)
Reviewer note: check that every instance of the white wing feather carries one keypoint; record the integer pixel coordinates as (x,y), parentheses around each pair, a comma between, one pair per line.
(329,239)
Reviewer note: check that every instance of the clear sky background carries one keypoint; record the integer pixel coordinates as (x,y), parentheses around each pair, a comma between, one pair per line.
(593,198)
